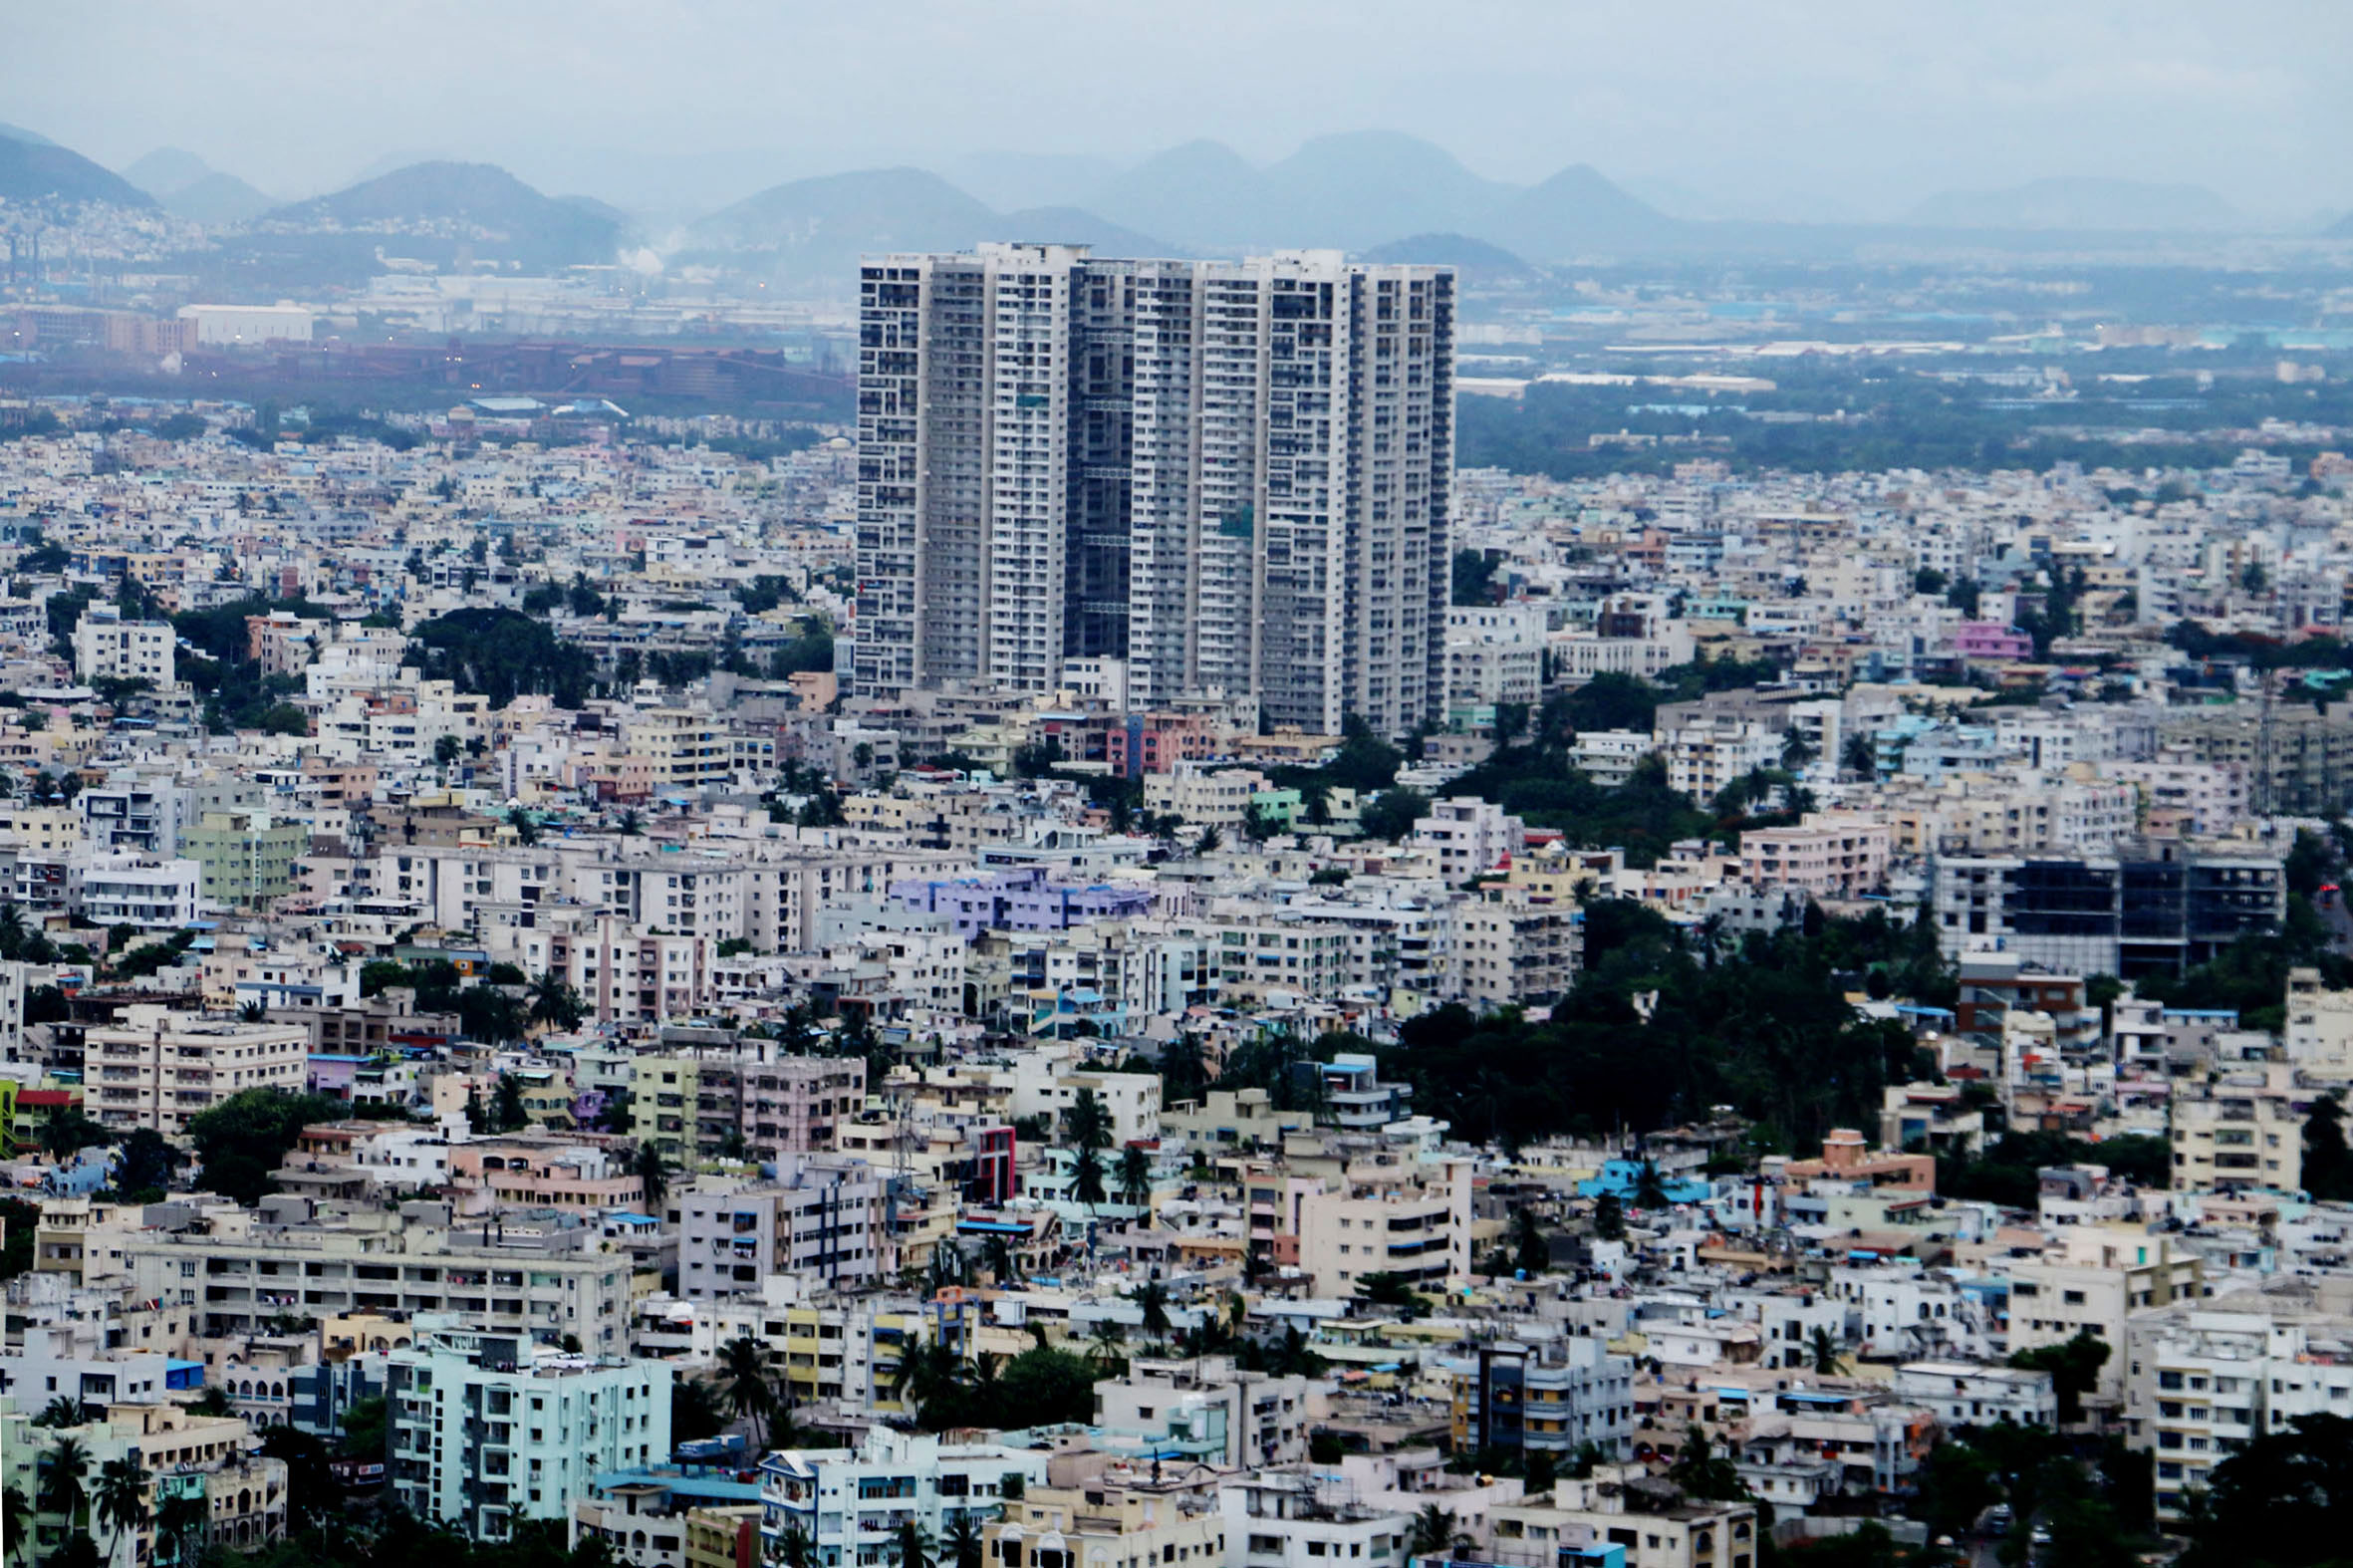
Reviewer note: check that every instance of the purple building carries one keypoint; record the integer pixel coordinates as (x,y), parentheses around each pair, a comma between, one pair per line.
(1020,900)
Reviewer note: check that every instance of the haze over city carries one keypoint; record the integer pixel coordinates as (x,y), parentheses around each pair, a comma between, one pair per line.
(1837,109)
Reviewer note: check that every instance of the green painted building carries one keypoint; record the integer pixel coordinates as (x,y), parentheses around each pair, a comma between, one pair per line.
(248,857)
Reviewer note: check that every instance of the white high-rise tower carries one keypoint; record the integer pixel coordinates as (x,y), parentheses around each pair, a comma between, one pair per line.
(1234,475)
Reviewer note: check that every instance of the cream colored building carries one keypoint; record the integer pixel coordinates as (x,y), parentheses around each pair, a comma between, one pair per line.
(156,1068)
(1388,1216)
(2240,1129)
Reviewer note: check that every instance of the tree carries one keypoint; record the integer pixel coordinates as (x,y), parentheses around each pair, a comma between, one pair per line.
(365,1425)
(743,1382)
(181,1522)
(694,1412)
(15,1521)
(1473,578)
(2282,1499)
(120,1500)
(62,1488)
(526,828)
(1085,1184)
(241,1141)
(1609,1218)
(313,1493)
(446,750)
(1648,1191)
(911,1545)
(2328,1172)
(506,1104)
(1392,814)
(1533,1253)
(794,1548)
(60,1412)
(2075,1368)
(961,1544)
(78,1551)
(1151,1299)
(1087,1125)
(1824,1349)
(1436,1534)
(1135,1176)
(631,823)
(556,1004)
(1391,1291)
(1703,1474)
(653,1171)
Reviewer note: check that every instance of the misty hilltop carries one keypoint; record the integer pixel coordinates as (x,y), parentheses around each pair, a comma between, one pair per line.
(465,202)
(35,168)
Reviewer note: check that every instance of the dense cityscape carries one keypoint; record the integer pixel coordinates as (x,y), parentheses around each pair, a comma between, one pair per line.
(1196,861)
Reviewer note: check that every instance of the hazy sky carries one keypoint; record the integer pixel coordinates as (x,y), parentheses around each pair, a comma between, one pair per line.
(1804,107)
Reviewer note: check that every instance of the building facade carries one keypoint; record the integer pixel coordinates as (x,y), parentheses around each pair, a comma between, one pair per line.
(1231,476)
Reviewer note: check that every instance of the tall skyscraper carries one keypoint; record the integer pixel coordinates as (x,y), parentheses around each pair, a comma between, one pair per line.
(1234,475)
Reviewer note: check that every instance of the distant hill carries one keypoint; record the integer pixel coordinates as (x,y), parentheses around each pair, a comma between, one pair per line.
(1368,187)
(167,169)
(217,199)
(1579,213)
(519,222)
(1475,259)
(11,132)
(818,229)
(30,171)
(844,214)
(1202,194)
(2078,204)
(604,211)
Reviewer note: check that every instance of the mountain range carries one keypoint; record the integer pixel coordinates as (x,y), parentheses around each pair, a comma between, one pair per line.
(1350,193)
(33,167)
(1379,193)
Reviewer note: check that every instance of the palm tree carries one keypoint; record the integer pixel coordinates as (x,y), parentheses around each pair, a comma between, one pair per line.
(255,1011)
(960,1545)
(12,931)
(121,1499)
(1134,1178)
(1151,1299)
(632,823)
(654,1172)
(555,1004)
(62,1490)
(1648,1191)
(1108,1344)
(60,1412)
(1085,1184)
(15,1521)
(911,1545)
(794,1548)
(1435,1532)
(744,1384)
(1824,1349)
(182,1520)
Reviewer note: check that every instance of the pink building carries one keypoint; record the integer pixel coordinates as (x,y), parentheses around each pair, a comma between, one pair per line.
(528,1174)
(1992,640)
